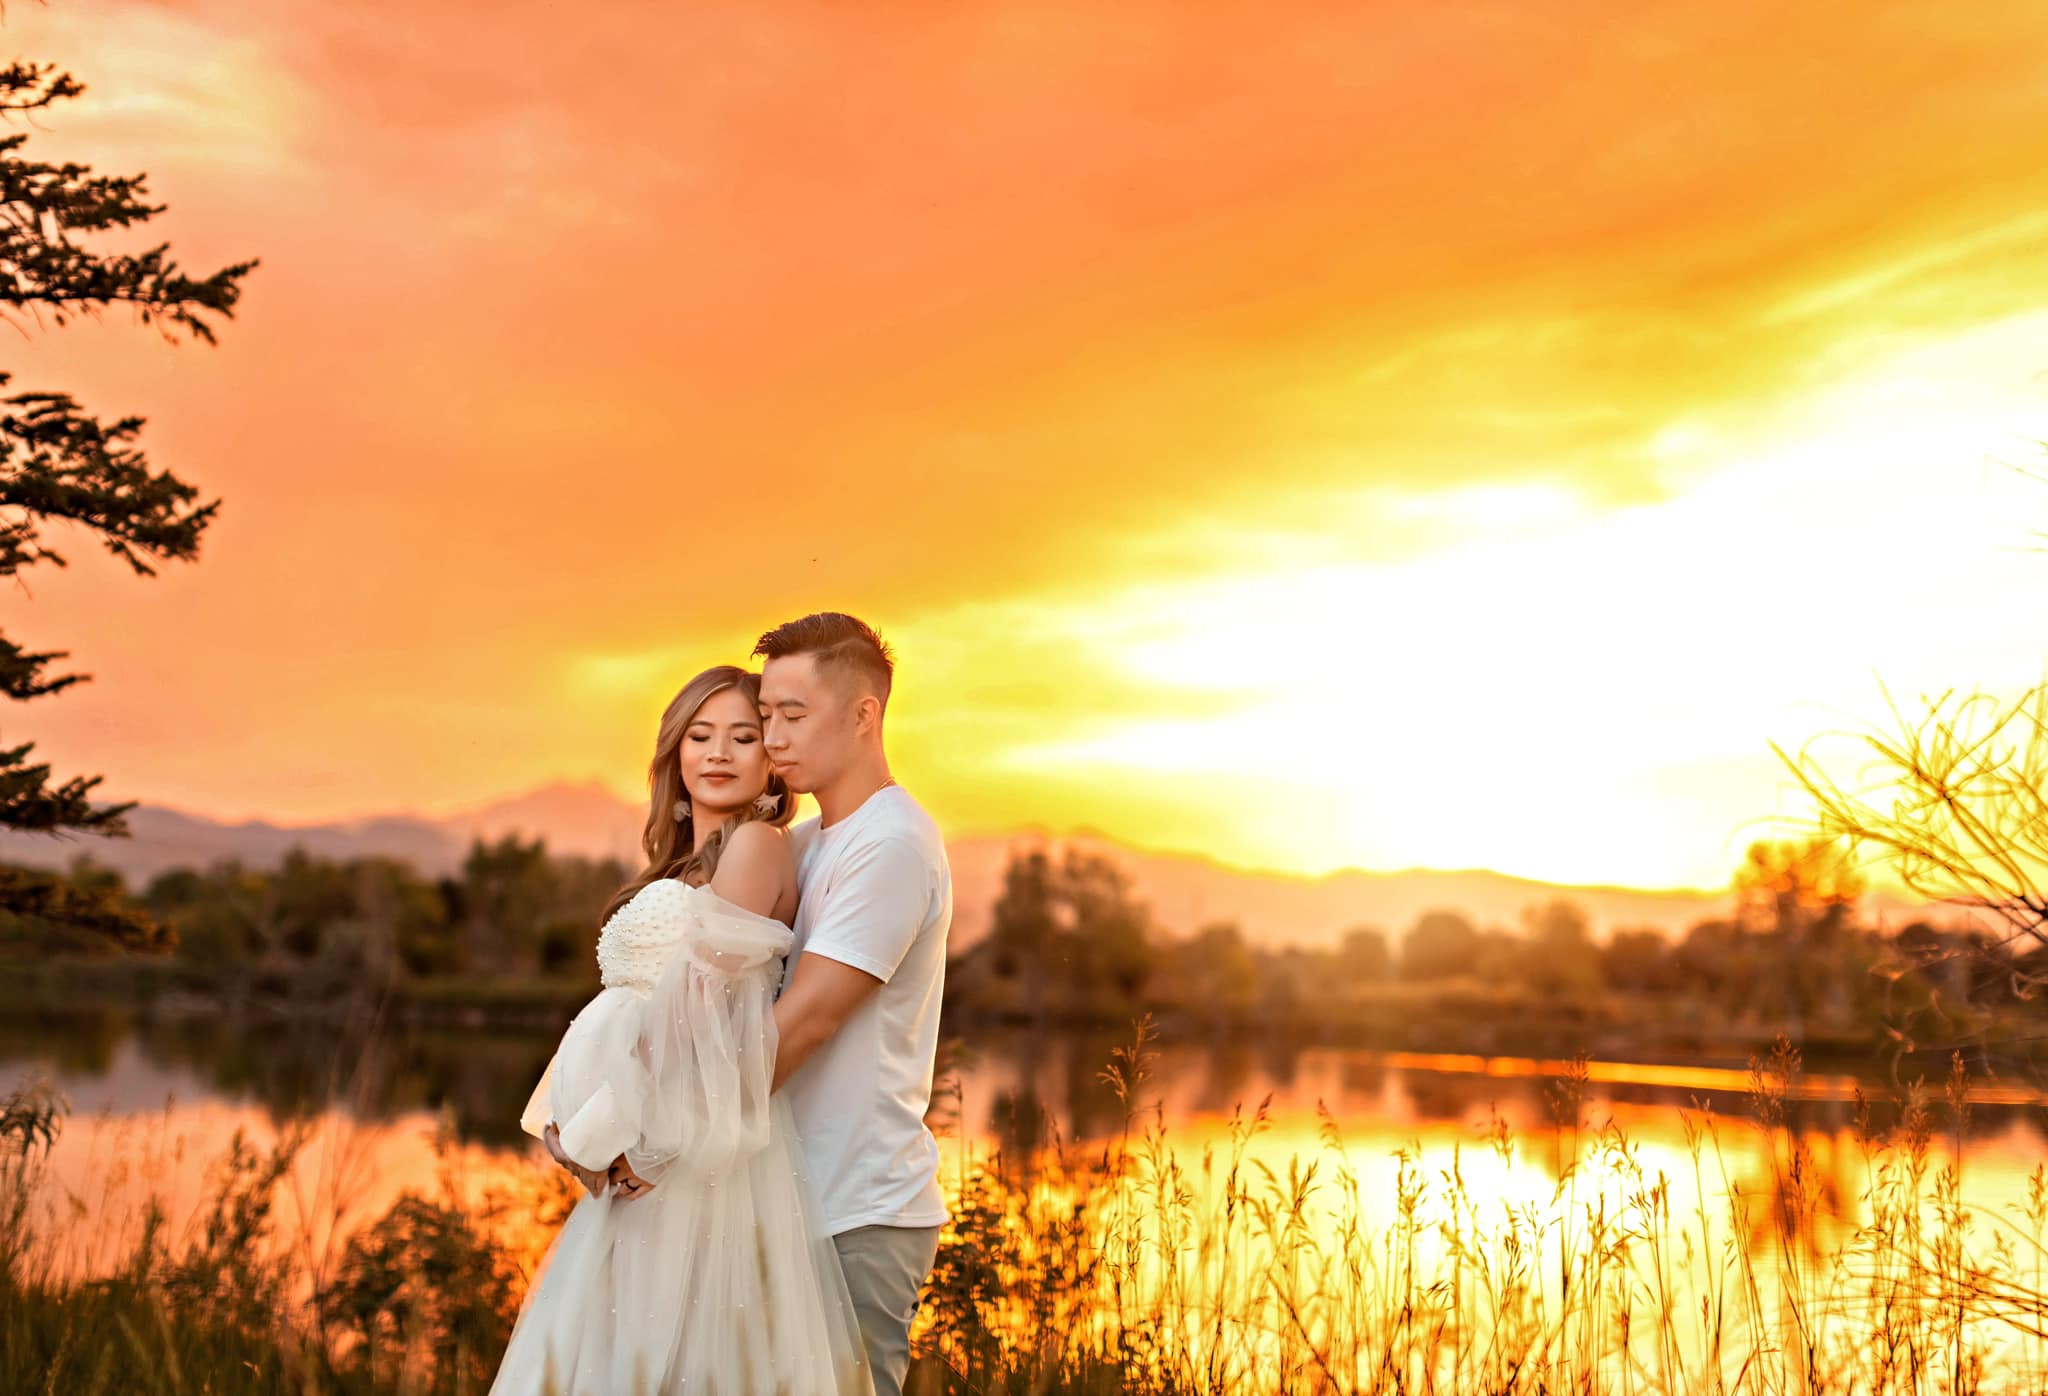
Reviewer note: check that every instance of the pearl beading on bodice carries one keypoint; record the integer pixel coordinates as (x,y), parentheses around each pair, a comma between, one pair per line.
(635,944)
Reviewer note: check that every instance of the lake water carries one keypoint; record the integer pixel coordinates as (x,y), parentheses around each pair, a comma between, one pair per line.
(155,1103)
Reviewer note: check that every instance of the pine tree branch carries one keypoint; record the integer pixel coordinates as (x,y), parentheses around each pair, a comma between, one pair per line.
(51,900)
(21,673)
(29,802)
(42,267)
(27,87)
(57,462)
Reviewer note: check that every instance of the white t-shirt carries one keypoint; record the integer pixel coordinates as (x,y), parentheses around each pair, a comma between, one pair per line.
(876,893)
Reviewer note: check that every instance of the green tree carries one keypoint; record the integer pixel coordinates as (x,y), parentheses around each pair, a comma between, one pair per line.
(398,918)
(1638,959)
(507,892)
(1071,934)
(1025,930)
(60,464)
(1440,945)
(1559,954)
(308,896)
(1798,900)
(1499,957)
(44,911)
(520,909)
(221,915)
(1715,959)
(1363,956)
(1109,948)
(1217,970)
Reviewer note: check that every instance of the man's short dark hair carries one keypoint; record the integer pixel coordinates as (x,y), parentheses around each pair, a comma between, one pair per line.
(845,648)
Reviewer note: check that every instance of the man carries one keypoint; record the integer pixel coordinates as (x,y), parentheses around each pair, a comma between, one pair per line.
(858,1019)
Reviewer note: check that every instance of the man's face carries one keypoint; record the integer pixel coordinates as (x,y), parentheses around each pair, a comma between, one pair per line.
(806,722)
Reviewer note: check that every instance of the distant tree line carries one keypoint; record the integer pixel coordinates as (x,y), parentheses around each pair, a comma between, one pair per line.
(511,909)
(1070,942)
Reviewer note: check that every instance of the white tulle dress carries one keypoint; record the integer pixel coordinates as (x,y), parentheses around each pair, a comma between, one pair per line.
(723,1278)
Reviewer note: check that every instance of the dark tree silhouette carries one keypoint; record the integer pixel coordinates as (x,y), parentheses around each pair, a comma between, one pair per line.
(1954,798)
(46,912)
(1952,794)
(1557,955)
(1797,900)
(1364,955)
(1026,926)
(1072,935)
(59,464)
(1440,945)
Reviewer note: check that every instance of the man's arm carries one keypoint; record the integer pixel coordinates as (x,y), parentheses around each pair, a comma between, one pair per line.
(821,996)
(866,926)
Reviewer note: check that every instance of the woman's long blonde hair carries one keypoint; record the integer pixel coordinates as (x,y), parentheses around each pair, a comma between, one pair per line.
(668,842)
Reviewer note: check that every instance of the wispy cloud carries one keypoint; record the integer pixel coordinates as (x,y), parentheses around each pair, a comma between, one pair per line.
(1578,389)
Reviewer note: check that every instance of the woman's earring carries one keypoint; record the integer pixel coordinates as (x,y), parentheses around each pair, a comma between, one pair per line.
(769,805)
(682,810)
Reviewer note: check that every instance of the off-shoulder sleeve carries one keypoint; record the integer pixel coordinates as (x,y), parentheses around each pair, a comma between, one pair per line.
(708,1043)
(534,1118)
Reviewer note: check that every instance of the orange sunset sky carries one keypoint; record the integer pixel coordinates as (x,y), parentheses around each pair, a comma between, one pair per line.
(1445,434)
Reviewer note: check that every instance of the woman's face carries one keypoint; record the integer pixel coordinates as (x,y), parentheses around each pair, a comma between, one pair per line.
(724,766)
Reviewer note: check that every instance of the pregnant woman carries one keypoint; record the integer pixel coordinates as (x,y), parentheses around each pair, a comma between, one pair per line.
(700,1262)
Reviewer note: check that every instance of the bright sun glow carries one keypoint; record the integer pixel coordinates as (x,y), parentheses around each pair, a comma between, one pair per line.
(1593,691)
(1235,468)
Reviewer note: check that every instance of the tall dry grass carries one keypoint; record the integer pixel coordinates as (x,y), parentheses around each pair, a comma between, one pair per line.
(1126,1265)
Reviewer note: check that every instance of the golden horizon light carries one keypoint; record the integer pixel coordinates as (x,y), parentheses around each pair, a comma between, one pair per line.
(1449,436)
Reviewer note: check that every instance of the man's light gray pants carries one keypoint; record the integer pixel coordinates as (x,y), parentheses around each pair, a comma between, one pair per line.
(885,1268)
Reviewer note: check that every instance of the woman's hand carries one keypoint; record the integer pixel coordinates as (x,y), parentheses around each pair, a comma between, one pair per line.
(629,1183)
(593,1181)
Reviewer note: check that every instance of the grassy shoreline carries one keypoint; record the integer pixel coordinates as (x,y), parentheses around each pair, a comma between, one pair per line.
(1134,1264)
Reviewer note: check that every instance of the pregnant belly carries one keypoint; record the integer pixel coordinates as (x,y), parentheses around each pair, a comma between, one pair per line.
(597,1091)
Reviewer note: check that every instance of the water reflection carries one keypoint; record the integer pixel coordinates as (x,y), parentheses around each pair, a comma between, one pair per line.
(1016,1088)
(377,1096)
(156,1102)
